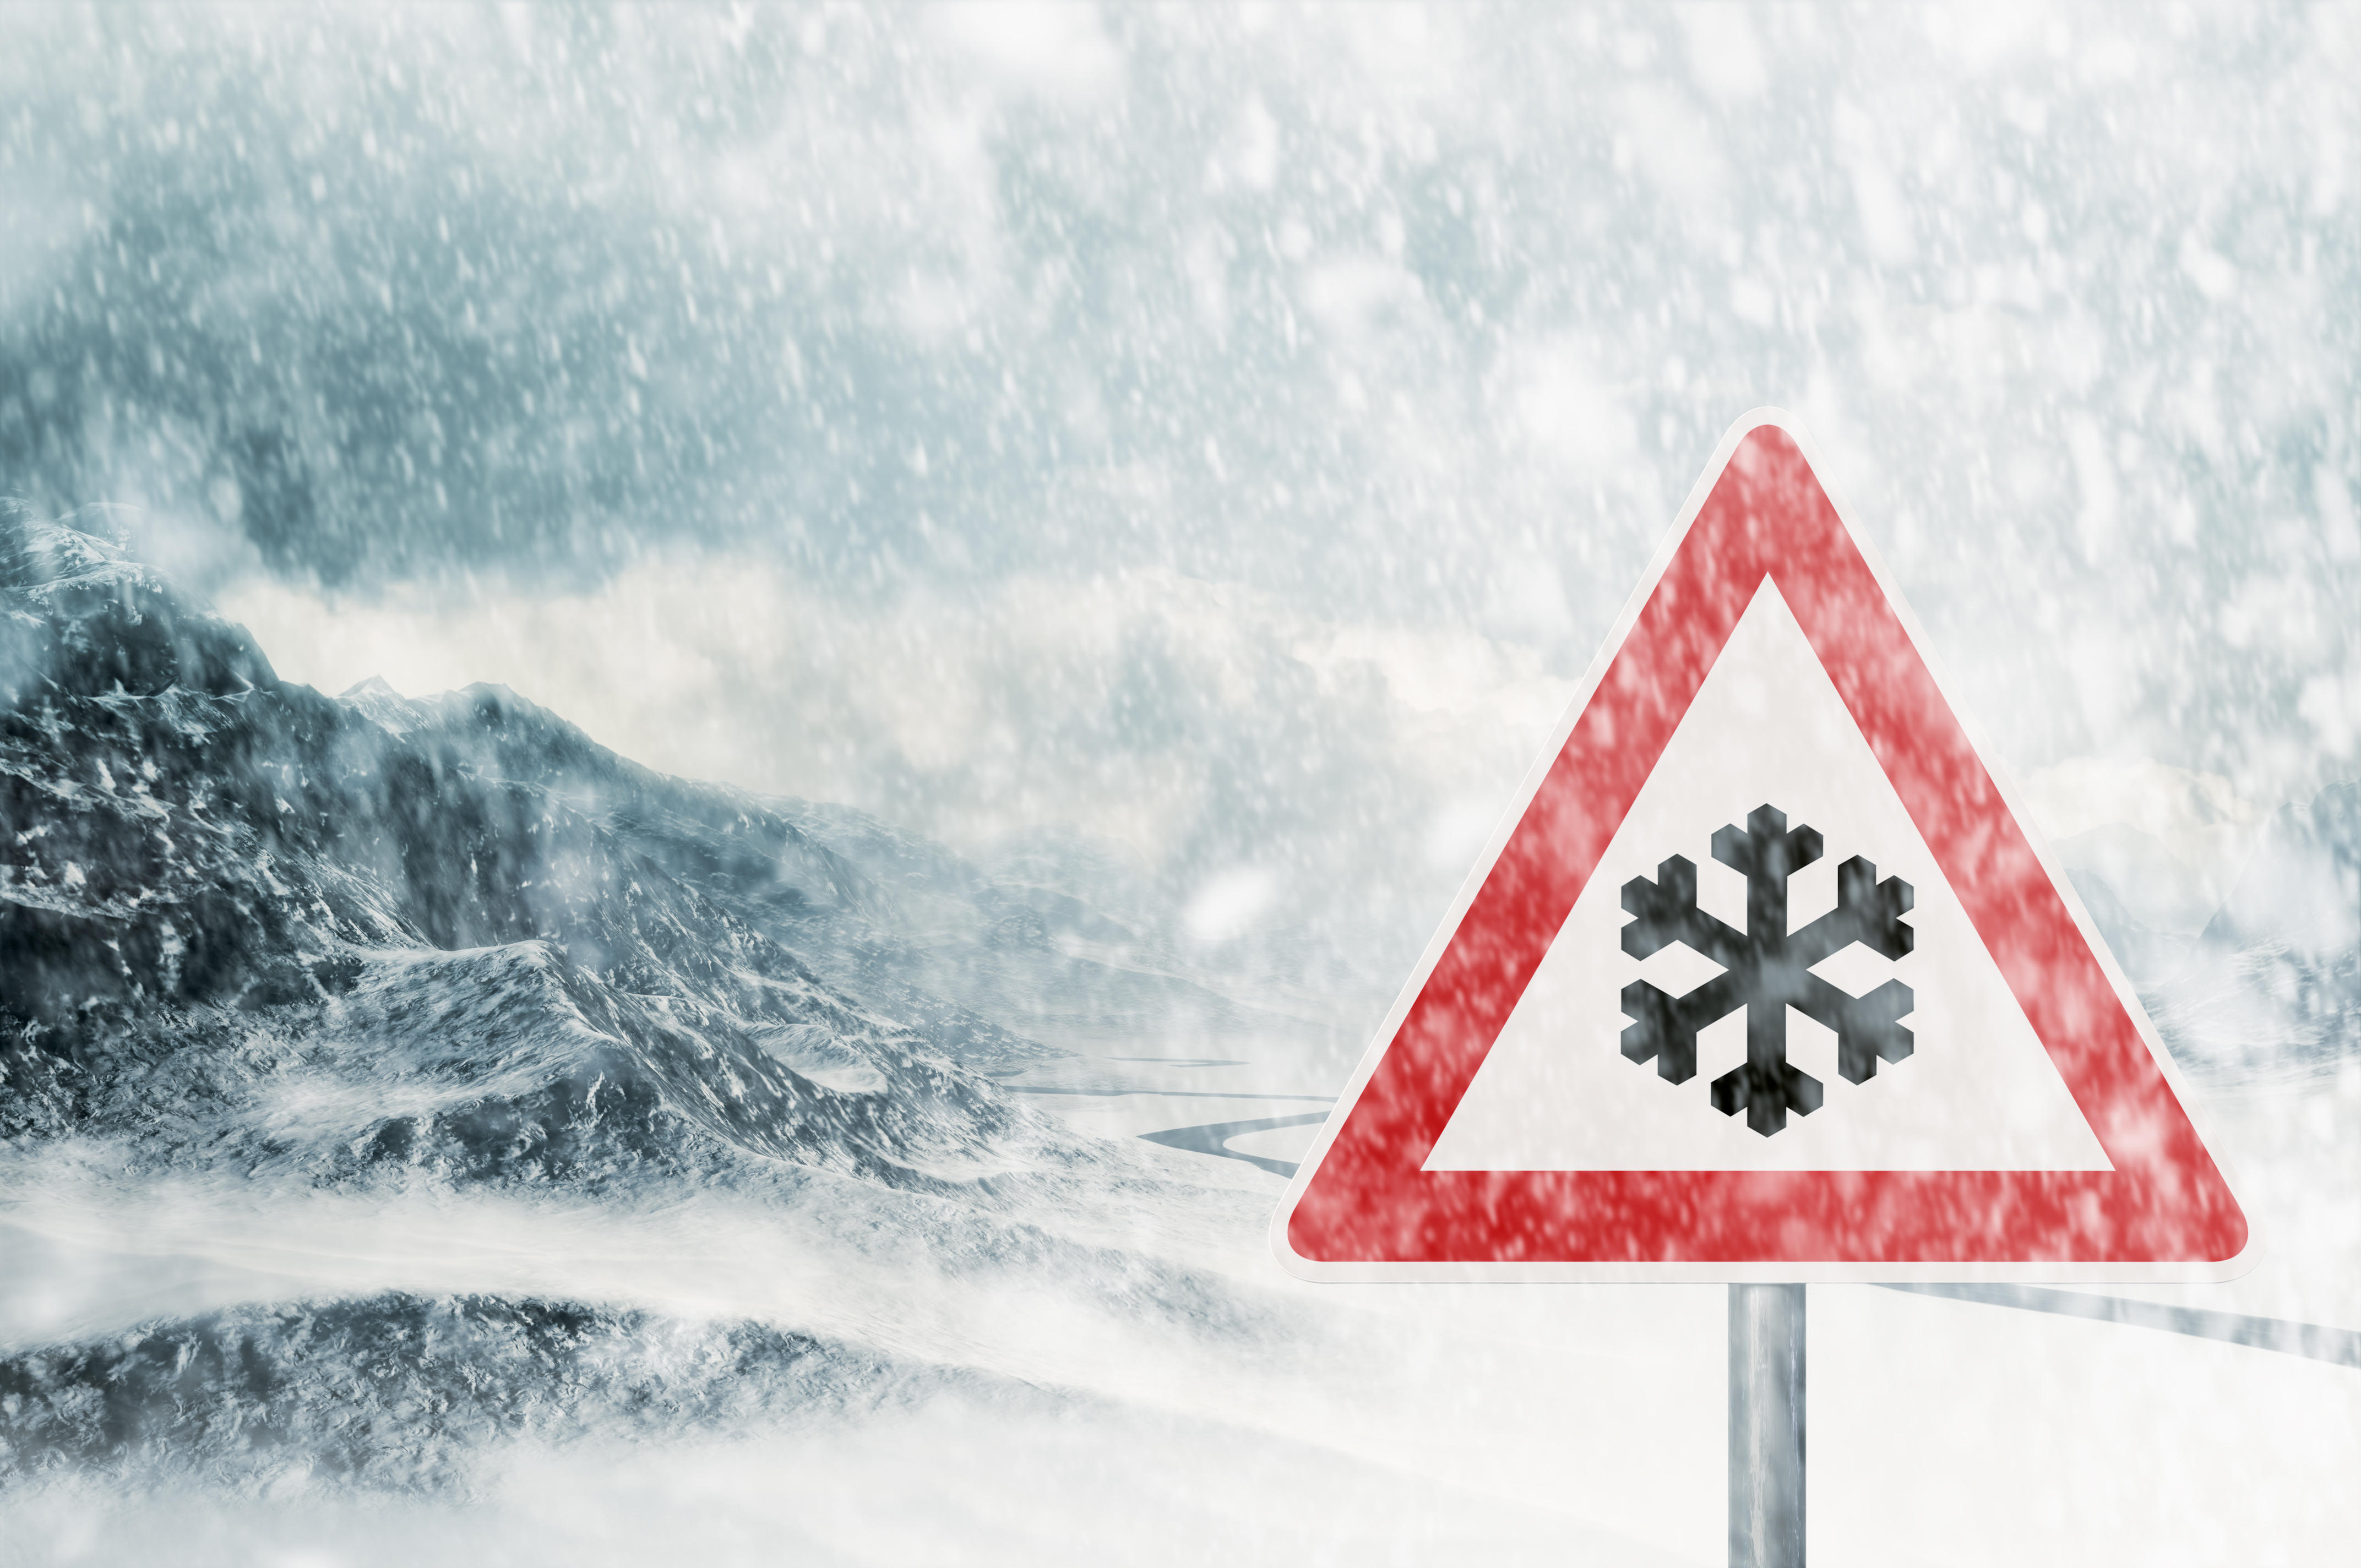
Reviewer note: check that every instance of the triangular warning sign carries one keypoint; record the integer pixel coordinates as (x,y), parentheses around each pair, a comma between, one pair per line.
(1764,977)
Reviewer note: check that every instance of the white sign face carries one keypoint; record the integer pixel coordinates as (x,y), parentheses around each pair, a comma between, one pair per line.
(1977,1091)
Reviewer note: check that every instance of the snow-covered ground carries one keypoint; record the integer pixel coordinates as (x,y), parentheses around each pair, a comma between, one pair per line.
(1060,1413)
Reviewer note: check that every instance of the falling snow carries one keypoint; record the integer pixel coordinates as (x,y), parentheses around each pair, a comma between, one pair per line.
(662,671)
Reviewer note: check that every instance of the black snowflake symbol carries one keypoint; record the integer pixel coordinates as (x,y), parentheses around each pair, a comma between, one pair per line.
(1766,970)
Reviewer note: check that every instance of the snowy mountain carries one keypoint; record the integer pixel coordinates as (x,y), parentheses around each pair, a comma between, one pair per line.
(554,954)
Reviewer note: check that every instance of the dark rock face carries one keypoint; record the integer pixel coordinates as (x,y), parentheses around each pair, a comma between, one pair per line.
(401,1391)
(85,622)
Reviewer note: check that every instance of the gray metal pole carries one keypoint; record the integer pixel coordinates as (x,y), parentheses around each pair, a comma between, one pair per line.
(1766,1426)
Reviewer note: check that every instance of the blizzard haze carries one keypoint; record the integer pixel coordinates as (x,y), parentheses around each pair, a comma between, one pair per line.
(897,623)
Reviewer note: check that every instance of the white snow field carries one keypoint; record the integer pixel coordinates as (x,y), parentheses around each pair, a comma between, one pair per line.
(1046,1416)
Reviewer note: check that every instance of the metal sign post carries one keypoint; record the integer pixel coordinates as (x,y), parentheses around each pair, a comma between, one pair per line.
(1766,1426)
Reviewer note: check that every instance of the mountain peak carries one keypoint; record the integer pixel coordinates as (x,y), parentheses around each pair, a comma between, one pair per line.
(84,618)
(376,700)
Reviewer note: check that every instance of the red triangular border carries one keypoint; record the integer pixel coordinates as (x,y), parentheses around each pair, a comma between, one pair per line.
(1368,1202)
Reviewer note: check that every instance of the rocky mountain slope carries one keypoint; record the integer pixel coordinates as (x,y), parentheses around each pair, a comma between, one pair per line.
(539,957)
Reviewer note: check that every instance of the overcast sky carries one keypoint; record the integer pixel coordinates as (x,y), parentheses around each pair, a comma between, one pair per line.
(1230,430)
